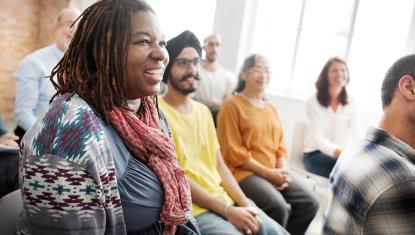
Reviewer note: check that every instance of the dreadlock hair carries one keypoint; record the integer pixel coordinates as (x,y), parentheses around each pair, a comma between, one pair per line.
(322,84)
(94,65)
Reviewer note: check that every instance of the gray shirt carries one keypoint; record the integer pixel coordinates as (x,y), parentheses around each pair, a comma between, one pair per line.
(140,190)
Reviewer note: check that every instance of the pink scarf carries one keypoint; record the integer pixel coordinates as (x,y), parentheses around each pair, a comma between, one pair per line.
(144,138)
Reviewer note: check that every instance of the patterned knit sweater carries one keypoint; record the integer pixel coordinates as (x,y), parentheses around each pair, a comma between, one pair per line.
(67,174)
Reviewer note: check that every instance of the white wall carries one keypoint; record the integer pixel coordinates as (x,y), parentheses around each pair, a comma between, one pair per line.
(229,16)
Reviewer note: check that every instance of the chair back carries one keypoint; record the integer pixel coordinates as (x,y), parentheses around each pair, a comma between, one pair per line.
(297,145)
(10,207)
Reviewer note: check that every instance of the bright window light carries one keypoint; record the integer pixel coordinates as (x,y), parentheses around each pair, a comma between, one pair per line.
(299,36)
(275,35)
(180,15)
(379,39)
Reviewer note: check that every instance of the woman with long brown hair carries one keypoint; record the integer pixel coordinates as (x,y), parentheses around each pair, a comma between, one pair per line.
(332,119)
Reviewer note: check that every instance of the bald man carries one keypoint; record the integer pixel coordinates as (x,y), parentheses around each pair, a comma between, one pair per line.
(216,81)
(33,89)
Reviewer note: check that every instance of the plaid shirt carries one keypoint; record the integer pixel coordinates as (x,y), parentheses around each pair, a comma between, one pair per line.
(373,188)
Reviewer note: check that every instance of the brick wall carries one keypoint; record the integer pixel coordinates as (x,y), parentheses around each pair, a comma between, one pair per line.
(25,25)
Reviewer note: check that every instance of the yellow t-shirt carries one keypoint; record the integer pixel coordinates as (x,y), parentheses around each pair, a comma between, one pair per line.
(196,143)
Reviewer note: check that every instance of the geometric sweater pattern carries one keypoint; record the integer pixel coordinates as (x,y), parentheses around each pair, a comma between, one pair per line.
(67,174)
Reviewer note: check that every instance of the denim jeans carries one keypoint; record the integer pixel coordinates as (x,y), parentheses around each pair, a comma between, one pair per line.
(213,224)
(319,163)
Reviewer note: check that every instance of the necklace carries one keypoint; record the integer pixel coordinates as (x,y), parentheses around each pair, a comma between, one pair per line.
(259,103)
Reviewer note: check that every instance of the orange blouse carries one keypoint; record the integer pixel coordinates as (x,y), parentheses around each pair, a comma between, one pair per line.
(246,131)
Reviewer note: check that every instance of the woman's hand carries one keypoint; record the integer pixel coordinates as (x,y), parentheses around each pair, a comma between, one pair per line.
(279,178)
(245,219)
(337,152)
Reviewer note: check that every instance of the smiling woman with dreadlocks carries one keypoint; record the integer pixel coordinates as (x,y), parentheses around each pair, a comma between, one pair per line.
(101,160)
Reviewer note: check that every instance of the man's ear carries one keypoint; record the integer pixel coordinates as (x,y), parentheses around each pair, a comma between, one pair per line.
(407,87)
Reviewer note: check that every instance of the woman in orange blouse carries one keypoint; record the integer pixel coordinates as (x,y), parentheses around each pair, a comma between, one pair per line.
(251,141)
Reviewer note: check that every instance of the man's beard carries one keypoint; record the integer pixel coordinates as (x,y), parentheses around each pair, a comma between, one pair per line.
(211,59)
(185,91)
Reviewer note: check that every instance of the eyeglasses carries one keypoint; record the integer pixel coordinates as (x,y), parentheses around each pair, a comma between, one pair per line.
(185,63)
(213,44)
(260,71)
